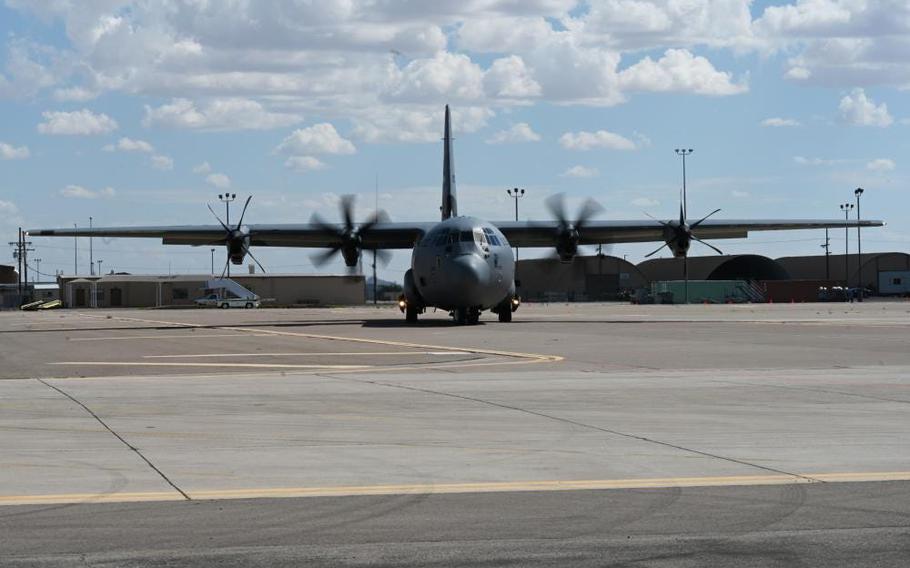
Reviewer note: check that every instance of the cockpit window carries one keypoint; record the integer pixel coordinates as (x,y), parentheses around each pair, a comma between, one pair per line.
(467,236)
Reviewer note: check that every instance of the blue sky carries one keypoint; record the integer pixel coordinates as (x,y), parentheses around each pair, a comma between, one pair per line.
(139,113)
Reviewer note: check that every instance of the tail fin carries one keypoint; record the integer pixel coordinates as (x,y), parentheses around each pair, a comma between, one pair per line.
(449,201)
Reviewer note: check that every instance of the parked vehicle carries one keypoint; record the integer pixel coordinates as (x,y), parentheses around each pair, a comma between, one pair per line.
(212,300)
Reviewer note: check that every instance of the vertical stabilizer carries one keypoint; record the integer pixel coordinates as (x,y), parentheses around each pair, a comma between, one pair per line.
(449,201)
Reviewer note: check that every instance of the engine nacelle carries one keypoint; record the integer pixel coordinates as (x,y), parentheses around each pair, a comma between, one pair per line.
(567,244)
(678,239)
(238,244)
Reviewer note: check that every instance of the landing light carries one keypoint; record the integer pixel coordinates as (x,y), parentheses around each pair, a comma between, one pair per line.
(402,304)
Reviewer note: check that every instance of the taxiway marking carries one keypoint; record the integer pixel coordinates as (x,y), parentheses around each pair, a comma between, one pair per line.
(187,336)
(188,364)
(304,354)
(450,488)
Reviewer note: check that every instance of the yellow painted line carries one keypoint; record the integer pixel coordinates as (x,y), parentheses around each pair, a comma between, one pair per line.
(530,357)
(500,353)
(455,488)
(238,365)
(187,336)
(305,354)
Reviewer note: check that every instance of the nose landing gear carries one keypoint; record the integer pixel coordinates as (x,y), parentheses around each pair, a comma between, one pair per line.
(466,316)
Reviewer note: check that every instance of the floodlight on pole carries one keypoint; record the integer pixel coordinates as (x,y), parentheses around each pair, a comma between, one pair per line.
(226,198)
(858,192)
(684,214)
(846,208)
(516,193)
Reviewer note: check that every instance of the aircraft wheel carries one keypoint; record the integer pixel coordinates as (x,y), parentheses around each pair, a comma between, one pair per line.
(410,314)
(473,316)
(461,316)
(505,314)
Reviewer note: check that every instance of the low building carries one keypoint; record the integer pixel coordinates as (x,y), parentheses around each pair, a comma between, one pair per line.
(886,273)
(146,291)
(586,278)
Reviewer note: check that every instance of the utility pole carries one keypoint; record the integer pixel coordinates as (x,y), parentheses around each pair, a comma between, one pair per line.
(516,193)
(38,269)
(91,262)
(685,152)
(75,251)
(213,262)
(827,247)
(859,245)
(225,198)
(376,214)
(99,266)
(846,207)
(17,254)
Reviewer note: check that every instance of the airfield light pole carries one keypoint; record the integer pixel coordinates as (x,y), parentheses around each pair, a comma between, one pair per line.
(859,244)
(75,250)
(226,198)
(91,262)
(516,193)
(213,261)
(99,266)
(685,152)
(37,270)
(846,207)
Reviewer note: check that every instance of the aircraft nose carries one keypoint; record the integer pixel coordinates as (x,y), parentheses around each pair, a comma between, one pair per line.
(466,274)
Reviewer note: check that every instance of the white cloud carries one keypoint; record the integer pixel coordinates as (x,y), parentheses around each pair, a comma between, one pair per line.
(74,94)
(856,108)
(317,139)
(80,122)
(219,114)
(881,165)
(520,132)
(8,208)
(409,123)
(130,145)
(779,122)
(220,181)
(303,164)
(203,168)
(600,139)
(803,161)
(450,75)
(740,194)
(580,172)
(681,71)
(160,162)
(9,152)
(509,77)
(645,202)
(79,192)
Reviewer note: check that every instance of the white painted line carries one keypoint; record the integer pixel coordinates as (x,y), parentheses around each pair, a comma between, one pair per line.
(307,354)
(223,365)
(189,335)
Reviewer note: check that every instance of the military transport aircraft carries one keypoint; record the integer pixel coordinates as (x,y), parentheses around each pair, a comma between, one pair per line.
(463,265)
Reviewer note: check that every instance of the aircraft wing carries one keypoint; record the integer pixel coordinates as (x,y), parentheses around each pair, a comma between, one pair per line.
(541,233)
(381,235)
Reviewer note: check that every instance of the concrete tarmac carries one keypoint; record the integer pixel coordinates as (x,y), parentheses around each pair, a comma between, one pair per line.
(586,434)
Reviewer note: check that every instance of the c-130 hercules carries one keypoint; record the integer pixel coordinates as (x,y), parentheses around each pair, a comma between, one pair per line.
(463,265)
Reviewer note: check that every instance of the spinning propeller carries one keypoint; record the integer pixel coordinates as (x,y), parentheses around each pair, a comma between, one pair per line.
(236,240)
(567,233)
(348,237)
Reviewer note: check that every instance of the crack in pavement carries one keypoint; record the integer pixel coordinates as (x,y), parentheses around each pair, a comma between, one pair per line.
(118,436)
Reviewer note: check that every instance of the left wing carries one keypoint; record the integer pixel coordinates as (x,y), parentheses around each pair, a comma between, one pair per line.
(543,233)
(380,235)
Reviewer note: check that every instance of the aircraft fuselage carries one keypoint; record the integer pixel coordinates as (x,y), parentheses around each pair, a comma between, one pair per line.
(463,263)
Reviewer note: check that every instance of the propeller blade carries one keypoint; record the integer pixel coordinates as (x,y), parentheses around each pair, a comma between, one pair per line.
(226,228)
(242,213)
(382,256)
(320,258)
(589,209)
(326,228)
(664,223)
(347,211)
(656,251)
(700,221)
(256,260)
(682,215)
(227,261)
(556,206)
(376,217)
(709,245)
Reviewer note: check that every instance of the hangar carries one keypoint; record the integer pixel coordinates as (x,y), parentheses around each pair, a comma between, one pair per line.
(733,267)
(148,291)
(586,278)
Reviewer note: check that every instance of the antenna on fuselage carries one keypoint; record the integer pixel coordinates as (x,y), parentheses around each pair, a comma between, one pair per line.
(449,206)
